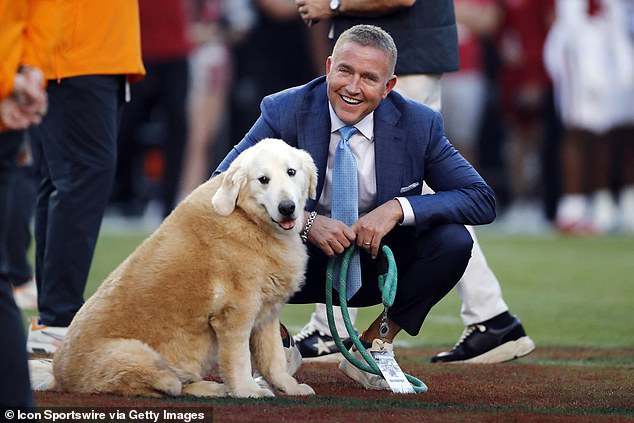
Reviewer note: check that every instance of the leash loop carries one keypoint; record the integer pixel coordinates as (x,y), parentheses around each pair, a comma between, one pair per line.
(387,284)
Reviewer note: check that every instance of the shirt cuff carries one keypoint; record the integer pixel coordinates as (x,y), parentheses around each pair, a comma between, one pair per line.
(408,213)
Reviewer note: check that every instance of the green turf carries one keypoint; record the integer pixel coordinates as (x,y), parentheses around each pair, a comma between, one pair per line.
(567,291)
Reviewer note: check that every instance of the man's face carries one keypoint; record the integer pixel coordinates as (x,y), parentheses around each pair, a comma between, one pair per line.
(359,78)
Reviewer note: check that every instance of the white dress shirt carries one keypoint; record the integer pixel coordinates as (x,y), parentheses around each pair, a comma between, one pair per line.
(362,146)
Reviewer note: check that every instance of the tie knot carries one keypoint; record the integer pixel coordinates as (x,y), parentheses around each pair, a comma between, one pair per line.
(346,132)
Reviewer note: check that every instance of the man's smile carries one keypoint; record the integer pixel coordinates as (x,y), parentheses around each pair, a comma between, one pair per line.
(350,100)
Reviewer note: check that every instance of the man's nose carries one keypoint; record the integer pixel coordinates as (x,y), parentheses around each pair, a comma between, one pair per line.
(353,85)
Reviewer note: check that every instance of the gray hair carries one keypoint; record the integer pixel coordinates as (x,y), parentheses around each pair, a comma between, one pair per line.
(373,36)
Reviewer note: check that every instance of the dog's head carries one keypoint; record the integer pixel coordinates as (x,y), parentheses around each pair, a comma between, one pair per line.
(270,180)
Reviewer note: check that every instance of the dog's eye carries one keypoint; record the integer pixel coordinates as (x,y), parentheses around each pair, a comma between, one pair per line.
(291,172)
(264,180)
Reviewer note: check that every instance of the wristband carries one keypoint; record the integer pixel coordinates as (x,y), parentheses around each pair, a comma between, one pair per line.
(309,223)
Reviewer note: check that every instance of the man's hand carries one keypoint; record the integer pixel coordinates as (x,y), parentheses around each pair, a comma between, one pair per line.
(371,228)
(29,91)
(312,11)
(333,236)
(330,235)
(27,103)
(12,116)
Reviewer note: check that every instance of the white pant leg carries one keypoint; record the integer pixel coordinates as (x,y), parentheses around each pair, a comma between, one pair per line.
(319,319)
(424,88)
(479,289)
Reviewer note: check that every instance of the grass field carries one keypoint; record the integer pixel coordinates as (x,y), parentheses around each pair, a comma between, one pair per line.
(575,297)
(567,291)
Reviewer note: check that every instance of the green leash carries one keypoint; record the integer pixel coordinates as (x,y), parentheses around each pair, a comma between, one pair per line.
(387,285)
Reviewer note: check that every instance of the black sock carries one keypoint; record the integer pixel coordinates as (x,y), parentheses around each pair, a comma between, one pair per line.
(502,320)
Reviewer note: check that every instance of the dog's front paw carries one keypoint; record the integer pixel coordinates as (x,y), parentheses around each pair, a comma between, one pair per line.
(251,392)
(287,384)
(300,389)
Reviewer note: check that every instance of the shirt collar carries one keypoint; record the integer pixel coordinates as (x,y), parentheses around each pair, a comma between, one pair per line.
(365,125)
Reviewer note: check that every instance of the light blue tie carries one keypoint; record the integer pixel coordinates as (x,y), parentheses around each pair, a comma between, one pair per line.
(345,202)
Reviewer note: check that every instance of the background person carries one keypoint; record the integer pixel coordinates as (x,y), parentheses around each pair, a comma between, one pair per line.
(210,80)
(464,92)
(88,54)
(18,240)
(524,87)
(589,54)
(22,103)
(160,100)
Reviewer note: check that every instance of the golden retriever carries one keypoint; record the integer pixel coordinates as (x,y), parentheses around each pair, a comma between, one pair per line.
(205,288)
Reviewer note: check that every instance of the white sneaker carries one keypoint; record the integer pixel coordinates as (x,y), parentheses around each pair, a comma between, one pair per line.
(25,295)
(604,212)
(627,209)
(44,339)
(368,380)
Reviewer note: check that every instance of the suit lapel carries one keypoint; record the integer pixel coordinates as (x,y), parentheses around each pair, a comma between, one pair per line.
(390,151)
(313,135)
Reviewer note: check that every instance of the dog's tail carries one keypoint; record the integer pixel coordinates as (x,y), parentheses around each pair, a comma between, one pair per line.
(41,374)
(118,366)
(132,367)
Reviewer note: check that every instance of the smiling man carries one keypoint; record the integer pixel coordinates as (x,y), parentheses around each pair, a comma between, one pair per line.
(373,148)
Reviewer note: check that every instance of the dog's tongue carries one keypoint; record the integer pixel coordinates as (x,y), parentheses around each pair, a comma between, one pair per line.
(287,224)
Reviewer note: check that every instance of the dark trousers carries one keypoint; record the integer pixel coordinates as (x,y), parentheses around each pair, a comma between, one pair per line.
(19,231)
(10,145)
(429,264)
(15,388)
(75,151)
(161,97)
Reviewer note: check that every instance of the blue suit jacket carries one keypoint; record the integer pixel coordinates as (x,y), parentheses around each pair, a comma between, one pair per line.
(410,146)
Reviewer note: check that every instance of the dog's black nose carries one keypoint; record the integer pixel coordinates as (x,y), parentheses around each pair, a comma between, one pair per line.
(286,207)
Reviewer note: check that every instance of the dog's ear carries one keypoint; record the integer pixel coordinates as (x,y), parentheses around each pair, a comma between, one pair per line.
(308,166)
(224,200)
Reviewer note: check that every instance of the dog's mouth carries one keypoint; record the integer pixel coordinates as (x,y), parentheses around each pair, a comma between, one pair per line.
(286,224)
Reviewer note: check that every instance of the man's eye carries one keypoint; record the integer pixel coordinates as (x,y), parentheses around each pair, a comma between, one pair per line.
(264,180)
(291,172)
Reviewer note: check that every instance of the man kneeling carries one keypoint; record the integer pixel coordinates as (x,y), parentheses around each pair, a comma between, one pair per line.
(373,148)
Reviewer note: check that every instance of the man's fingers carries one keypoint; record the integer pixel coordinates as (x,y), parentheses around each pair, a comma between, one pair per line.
(374,249)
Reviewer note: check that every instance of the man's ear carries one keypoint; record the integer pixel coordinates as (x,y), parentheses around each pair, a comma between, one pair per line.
(225,199)
(328,64)
(389,86)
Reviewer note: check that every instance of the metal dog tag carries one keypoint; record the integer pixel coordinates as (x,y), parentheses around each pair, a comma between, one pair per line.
(392,373)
